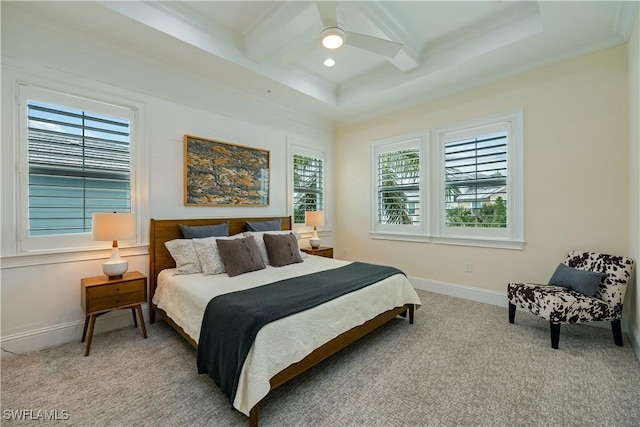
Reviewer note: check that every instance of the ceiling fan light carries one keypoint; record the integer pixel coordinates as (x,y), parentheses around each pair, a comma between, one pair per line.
(332,37)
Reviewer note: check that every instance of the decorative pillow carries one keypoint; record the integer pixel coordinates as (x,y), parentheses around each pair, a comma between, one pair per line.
(282,249)
(274,225)
(185,256)
(201,231)
(240,255)
(259,236)
(208,254)
(585,282)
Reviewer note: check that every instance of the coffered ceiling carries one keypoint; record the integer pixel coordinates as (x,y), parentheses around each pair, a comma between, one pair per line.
(272,49)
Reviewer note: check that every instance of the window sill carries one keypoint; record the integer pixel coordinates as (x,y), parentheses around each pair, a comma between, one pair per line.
(467,241)
(399,236)
(482,243)
(35,259)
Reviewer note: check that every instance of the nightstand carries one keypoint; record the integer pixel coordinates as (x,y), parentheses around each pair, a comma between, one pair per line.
(321,251)
(99,295)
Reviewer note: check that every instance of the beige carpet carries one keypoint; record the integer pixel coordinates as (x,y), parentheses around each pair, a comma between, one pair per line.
(460,364)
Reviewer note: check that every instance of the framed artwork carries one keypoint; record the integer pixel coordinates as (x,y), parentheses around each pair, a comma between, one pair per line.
(218,173)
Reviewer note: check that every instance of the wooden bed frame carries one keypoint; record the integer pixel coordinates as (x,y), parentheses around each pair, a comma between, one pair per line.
(164,230)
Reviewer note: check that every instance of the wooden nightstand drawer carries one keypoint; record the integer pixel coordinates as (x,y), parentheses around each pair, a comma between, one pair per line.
(324,251)
(101,294)
(113,295)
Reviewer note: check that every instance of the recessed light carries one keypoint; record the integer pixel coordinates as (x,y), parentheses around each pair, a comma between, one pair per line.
(332,37)
(329,62)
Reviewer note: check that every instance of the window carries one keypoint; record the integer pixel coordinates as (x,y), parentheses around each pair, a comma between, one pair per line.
(308,183)
(399,208)
(480,182)
(475,181)
(76,159)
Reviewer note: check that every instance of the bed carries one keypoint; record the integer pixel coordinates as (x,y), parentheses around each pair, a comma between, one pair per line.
(181,300)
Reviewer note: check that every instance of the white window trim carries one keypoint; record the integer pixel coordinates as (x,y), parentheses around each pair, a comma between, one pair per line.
(412,233)
(13,251)
(513,236)
(306,231)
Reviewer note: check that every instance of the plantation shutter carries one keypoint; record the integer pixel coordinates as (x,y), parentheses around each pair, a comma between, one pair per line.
(79,163)
(399,187)
(476,181)
(308,186)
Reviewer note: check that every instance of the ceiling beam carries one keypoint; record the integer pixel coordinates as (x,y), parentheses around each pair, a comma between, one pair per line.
(174,20)
(274,31)
(384,17)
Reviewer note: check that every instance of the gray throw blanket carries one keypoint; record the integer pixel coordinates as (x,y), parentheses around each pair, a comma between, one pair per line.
(232,321)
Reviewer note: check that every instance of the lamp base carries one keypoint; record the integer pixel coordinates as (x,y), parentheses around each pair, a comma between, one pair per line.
(115,270)
(315,243)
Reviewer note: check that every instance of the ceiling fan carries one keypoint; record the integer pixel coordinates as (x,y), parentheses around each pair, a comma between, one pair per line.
(334,35)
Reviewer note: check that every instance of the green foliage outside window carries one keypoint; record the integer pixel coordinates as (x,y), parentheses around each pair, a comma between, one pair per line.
(307,186)
(490,215)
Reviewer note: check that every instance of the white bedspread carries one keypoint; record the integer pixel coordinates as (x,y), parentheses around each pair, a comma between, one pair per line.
(290,339)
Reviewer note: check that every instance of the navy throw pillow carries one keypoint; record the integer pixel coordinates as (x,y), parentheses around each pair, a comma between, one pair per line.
(585,282)
(273,225)
(201,231)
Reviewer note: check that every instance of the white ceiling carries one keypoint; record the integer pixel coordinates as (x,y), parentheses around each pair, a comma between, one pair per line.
(271,49)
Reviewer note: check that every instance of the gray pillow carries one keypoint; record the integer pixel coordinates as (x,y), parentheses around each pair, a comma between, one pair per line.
(207,251)
(274,225)
(184,254)
(282,249)
(201,231)
(260,241)
(240,255)
(585,282)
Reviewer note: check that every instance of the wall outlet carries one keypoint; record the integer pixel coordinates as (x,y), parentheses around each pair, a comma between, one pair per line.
(344,252)
(468,267)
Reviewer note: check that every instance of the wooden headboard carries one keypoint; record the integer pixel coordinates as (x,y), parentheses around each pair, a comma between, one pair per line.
(163,230)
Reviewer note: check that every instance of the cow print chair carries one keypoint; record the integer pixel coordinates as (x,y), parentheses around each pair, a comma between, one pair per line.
(586,287)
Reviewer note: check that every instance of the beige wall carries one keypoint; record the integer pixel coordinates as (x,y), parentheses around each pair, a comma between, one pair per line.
(633,297)
(575,178)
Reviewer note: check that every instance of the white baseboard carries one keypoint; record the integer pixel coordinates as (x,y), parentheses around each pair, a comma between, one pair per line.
(461,291)
(50,336)
(634,335)
(39,339)
(500,299)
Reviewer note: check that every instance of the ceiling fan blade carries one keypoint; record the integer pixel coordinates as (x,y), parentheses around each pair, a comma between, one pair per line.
(328,13)
(373,44)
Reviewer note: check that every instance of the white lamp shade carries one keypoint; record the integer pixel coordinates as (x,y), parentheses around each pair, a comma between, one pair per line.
(314,218)
(113,226)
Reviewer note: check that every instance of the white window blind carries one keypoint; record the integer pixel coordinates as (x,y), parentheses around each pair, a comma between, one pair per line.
(79,163)
(308,186)
(398,187)
(476,192)
(480,182)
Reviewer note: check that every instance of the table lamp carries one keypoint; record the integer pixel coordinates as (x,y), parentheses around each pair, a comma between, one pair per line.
(314,218)
(114,226)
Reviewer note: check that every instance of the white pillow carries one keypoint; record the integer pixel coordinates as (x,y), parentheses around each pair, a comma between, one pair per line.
(257,235)
(185,256)
(208,254)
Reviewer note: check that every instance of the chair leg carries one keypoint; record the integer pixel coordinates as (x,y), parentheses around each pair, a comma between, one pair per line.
(512,312)
(555,334)
(617,332)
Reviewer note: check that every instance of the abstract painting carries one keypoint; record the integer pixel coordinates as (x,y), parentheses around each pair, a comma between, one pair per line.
(222,174)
